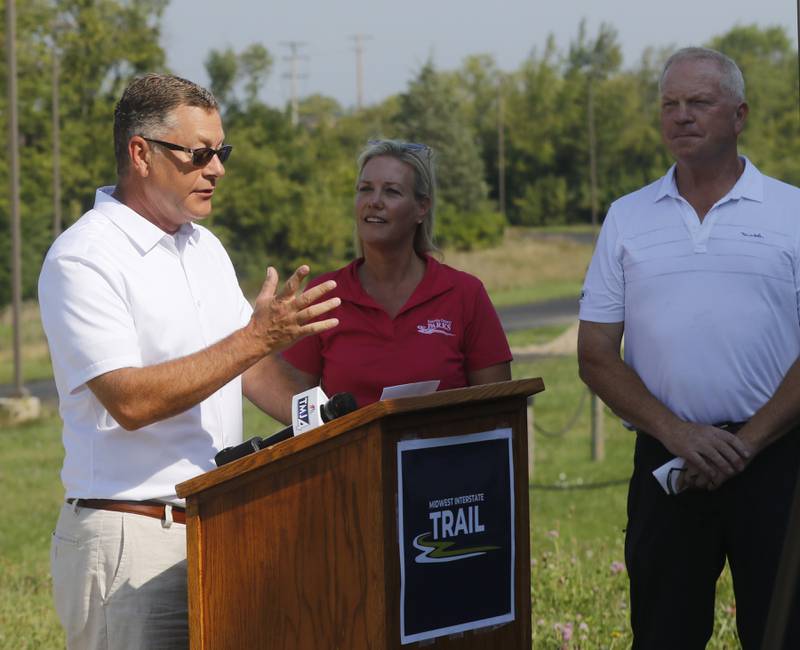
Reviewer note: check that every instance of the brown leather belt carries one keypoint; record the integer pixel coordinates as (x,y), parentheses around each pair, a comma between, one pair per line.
(147,508)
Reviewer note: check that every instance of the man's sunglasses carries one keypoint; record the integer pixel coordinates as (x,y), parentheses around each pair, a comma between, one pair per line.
(200,156)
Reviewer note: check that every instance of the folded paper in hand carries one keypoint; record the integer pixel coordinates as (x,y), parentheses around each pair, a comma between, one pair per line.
(668,474)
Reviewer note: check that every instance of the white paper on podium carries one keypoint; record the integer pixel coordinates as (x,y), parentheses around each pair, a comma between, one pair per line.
(410,390)
(668,474)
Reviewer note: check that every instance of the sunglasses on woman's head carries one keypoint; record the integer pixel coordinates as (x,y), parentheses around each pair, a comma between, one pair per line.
(416,147)
(200,156)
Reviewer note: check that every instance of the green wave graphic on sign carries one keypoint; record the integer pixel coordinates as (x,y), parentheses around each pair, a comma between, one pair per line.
(437,550)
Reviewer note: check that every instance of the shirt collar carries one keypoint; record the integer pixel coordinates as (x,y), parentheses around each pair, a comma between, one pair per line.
(750,185)
(435,282)
(143,233)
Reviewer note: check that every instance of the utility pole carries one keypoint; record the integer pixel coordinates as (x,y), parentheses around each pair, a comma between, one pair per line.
(359,39)
(598,436)
(13,158)
(501,150)
(294,75)
(592,154)
(56,138)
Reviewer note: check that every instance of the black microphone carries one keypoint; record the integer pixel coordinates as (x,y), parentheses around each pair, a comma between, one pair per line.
(338,405)
(229,454)
(275,438)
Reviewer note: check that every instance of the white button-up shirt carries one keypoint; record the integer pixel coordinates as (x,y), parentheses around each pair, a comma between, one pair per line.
(710,308)
(116,291)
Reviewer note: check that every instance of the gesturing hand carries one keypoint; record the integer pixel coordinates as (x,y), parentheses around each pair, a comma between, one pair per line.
(279,319)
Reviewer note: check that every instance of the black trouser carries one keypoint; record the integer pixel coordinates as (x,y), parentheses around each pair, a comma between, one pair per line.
(675,548)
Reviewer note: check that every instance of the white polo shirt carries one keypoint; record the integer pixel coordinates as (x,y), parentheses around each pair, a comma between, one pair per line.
(711,309)
(116,291)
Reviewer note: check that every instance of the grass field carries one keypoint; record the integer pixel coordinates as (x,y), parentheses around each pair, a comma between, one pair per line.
(579,585)
(35,355)
(527,269)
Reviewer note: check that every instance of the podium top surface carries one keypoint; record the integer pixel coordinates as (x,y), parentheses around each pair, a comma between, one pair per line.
(370,413)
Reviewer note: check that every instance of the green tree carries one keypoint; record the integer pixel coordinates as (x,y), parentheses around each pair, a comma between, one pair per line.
(248,70)
(222,69)
(101,44)
(256,65)
(430,112)
(534,122)
(479,83)
(287,196)
(589,64)
(768,62)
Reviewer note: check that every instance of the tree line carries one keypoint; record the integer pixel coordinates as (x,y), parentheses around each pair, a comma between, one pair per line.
(288,193)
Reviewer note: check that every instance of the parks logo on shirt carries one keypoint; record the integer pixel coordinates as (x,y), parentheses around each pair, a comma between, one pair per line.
(440,326)
(456,533)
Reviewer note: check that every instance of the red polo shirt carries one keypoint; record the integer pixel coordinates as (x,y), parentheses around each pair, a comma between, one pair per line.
(447,328)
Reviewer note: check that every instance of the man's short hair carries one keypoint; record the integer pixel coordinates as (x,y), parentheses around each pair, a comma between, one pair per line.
(145,109)
(731,79)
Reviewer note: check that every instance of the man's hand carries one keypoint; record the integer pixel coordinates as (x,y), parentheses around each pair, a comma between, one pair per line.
(712,455)
(280,319)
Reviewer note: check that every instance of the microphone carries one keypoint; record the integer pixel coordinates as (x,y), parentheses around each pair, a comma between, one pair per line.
(229,454)
(306,412)
(304,418)
(310,409)
(338,405)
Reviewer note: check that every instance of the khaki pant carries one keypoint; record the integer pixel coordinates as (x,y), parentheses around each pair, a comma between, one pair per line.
(119,580)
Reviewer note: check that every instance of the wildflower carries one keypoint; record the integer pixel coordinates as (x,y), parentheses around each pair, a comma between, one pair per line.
(617,567)
(552,534)
(564,629)
(583,627)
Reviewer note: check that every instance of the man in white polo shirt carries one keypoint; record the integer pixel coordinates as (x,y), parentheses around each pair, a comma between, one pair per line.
(153,344)
(701,270)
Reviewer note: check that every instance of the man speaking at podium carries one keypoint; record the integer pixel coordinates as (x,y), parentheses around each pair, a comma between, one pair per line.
(153,344)
(701,269)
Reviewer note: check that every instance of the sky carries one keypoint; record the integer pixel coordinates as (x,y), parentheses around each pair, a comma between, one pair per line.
(398,37)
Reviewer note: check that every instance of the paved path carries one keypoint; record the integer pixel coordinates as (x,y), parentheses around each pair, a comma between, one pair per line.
(552,312)
(560,311)
(44,389)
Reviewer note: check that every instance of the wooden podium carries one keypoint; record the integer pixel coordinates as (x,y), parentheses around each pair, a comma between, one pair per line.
(296,546)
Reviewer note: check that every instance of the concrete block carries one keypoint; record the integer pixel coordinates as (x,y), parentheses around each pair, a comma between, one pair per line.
(15,410)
